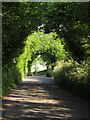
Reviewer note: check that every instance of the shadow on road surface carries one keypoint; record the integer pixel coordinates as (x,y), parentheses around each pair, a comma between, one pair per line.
(38,98)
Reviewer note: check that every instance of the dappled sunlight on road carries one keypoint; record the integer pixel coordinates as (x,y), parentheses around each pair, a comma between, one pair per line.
(41,100)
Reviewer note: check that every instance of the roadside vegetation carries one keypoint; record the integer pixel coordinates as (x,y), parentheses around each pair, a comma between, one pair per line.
(10,77)
(73,76)
(57,32)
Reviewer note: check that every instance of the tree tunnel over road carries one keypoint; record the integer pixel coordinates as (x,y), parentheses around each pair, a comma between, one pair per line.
(54,31)
(69,20)
(48,46)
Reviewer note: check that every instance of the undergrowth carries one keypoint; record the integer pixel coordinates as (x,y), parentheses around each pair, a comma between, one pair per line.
(10,77)
(73,76)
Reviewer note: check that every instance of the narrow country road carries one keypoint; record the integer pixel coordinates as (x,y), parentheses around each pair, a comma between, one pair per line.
(38,98)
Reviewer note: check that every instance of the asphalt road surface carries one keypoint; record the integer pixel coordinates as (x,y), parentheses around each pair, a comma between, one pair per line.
(39,98)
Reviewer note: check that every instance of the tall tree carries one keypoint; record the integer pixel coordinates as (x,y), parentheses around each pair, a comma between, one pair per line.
(19,20)
(71,21)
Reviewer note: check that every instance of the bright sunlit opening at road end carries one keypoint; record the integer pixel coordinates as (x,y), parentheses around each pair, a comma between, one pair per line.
(38,67)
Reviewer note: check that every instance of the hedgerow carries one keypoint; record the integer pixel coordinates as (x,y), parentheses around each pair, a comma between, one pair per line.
(73,76)
(10,76)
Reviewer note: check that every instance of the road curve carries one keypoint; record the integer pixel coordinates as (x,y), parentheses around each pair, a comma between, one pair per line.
(39,98)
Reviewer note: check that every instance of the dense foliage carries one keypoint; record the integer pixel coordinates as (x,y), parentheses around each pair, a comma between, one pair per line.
(68,20)
(66,34)
(73,76)
(11,77)
(19,20)
(43,44)
(71,21)
(50,48)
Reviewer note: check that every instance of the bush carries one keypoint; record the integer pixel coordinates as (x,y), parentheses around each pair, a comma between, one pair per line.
(73,76)
(10,77)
